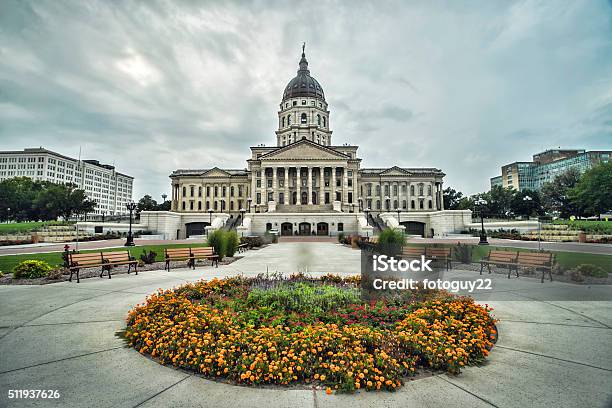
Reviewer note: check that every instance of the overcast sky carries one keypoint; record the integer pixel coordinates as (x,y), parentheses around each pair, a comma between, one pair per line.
(156,86)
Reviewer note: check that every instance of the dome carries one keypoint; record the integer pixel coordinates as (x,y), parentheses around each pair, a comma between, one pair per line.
(303,85)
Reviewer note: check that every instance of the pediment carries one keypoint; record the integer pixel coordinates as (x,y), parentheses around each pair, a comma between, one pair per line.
(305,150)
(395,171)
(215,172)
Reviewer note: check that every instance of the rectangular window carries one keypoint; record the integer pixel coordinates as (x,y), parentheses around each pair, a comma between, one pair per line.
(258,198)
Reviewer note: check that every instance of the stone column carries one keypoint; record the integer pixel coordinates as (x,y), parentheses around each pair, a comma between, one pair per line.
(298,186)
(253,191)
(356,191)
(345,186)
(333,184)
(321,185)
(434,196)
(287,198)
(275,184)
(309,185)
(264,187)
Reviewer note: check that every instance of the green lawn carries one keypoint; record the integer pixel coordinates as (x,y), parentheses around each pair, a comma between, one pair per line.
(23,227)
(8,262)
(567,260)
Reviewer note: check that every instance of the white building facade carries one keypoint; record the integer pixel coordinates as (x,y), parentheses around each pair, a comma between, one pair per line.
(110,189)
(306,185)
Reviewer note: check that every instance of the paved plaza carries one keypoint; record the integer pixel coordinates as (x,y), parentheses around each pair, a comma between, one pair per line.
(64,337)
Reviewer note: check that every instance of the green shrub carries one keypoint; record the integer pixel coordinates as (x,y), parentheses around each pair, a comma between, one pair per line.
(341,237)
(252,242)
(303,297)
(216,239)
(391,241)
(31,269)
(591,270)
(463,253)
(232,242)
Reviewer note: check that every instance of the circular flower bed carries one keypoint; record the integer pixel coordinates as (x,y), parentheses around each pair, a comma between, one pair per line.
(275,331)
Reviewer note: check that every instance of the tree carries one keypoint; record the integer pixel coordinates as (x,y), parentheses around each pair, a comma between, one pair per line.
(451,198)
(165,206)
(146,203)
(527,203)
(22,199)
(500,202)
(592,195)
(17,197)
(555,194)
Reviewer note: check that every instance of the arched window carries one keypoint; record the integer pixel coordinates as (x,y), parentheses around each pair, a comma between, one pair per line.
(199,205)
(288,120)
(378,204)
(404,204)
(412,192)
(429,190)
(395,205)
(303,118)
(319,120)
(323,121)
(421,191)
(412,204)
(283,121)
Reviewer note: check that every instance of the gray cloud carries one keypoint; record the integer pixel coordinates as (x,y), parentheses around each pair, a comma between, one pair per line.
(155,86)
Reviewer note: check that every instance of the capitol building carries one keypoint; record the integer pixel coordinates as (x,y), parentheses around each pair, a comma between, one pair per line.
(306,185)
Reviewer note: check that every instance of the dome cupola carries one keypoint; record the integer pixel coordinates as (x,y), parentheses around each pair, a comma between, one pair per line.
(303,85)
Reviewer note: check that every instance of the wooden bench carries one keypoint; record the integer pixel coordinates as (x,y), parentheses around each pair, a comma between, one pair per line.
(105,260)
(243,247)
(116,258)
(190,255)
(441,255)
(204,253)
(82,261)
(536,260)
(412,252)
(500,258)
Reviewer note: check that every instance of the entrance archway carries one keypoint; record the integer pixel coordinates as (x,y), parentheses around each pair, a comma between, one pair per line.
(195,228)
(304,228)
(322,228)
(304,198)
(414,228)
(286,229)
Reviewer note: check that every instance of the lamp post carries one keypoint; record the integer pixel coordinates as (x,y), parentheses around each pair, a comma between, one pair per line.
(360,202)
(483,234)
(131,206)
(103,216)
(242,211)
(529,199)
(210,213)
(367,213)
(398,210)
(249,200)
